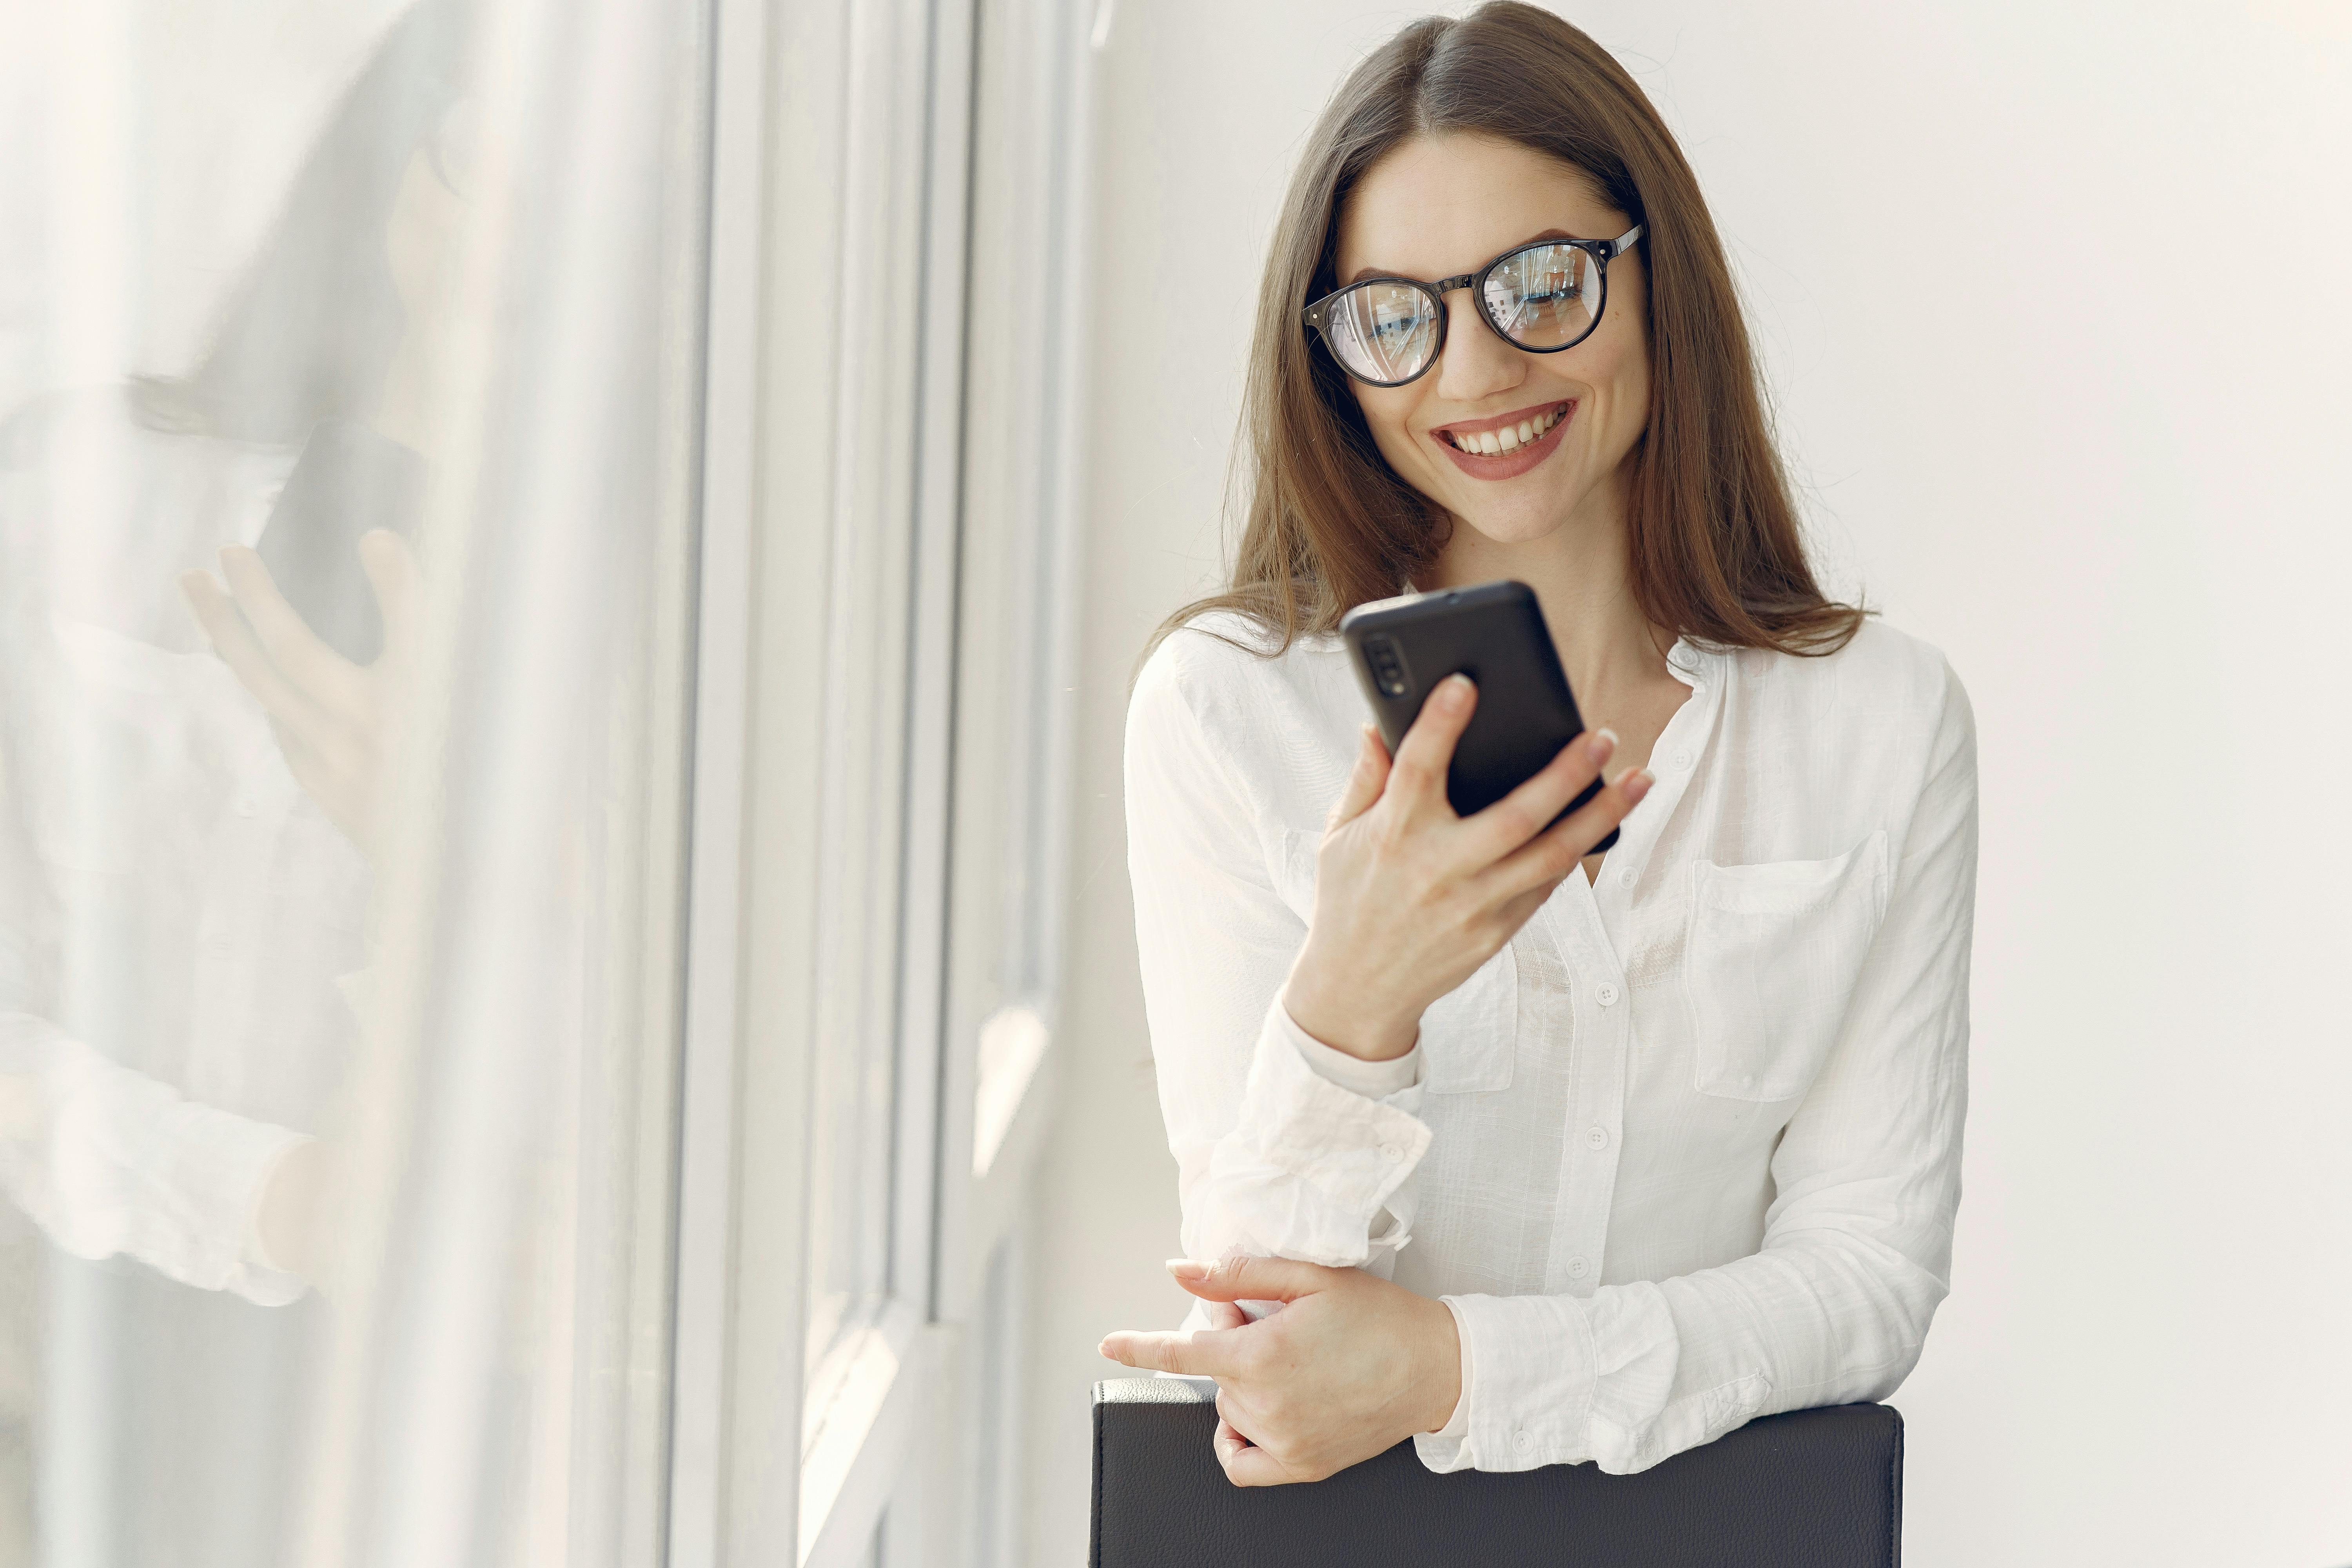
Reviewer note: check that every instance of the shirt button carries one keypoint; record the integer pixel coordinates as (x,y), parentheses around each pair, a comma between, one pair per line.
(1391,1152)
(1627,877)
(1596,1137)
(1682,758)
(1578,1269)
(1523,1443)
(1605,994)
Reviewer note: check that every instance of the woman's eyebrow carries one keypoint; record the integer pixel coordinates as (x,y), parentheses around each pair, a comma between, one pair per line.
(1364,272)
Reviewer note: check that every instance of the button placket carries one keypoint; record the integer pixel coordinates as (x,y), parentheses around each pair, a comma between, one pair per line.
(1588,1165)
(1680,745)
(1588,928)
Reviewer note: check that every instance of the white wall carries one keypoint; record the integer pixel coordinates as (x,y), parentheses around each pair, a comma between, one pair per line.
(2054,300)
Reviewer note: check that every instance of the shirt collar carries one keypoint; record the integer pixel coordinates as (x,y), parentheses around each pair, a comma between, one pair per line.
(1689,661)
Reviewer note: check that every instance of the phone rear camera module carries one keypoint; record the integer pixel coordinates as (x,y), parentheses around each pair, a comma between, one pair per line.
(1387,666)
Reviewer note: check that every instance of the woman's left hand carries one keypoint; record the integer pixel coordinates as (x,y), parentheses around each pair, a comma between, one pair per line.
(1349,1367)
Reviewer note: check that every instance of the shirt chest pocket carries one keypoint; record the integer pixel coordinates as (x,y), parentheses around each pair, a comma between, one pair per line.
(1468,1036)
(1772,957)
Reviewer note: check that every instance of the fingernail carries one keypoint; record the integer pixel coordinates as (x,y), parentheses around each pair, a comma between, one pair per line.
(1103,1349)
(1634,786)
(1455,691)
(1602,744)
(1185,1269)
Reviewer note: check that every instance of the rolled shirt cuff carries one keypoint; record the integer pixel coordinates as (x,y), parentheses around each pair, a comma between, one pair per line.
(228,1159)
(1310,1167)
(1373,1081)
(1526,1385)
(1389,1232)
(1458,1426)
(178,1185)
(262,1272)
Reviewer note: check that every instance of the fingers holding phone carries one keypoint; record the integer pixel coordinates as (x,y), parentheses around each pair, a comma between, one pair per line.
(1548,797)
(1411,898)
(1424,759)
(1496,792)
(1366,782)
(1539,862)
(392,573)
(333,717)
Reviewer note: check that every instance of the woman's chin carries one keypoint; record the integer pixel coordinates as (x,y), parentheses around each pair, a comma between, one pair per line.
(1507,528)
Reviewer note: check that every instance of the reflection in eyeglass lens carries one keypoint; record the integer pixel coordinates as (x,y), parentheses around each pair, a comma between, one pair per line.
(1544,296)
(1384,331)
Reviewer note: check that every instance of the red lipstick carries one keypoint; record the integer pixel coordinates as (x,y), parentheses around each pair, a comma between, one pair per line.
(1505,464)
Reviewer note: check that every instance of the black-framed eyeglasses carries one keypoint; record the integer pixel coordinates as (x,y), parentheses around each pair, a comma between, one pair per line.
(1542,297)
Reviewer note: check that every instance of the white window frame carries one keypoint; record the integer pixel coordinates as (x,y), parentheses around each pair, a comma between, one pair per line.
(1007,1065)
(758,1471)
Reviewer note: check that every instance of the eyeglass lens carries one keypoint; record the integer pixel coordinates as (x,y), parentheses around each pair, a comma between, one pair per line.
(1545,297)
(1384,331)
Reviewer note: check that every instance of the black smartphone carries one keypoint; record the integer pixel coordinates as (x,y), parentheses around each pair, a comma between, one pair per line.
(348,479)
(1495,635)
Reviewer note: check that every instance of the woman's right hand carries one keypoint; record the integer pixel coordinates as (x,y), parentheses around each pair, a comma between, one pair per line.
(1411,899)
(336,721)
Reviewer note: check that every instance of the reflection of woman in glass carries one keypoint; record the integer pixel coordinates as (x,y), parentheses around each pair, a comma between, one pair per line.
(184,880)
(1673,1132)
(187,885)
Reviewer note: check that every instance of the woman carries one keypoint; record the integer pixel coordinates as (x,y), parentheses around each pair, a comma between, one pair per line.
(1545,1155)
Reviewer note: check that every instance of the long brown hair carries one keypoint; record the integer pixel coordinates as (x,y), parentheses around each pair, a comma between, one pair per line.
(1712,534)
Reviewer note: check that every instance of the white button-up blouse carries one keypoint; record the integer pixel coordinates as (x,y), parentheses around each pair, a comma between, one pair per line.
(1686,1151)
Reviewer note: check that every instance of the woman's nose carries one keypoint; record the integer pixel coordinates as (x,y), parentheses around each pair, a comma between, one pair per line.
(1475,362)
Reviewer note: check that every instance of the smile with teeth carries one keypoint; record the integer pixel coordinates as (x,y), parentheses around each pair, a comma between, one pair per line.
(1509,437)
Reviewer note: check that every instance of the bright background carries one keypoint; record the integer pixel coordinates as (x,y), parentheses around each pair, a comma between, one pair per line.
(2052,302)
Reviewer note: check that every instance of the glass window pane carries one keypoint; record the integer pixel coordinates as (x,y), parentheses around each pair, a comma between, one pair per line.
(1011,802)
(346,416)
(863,743)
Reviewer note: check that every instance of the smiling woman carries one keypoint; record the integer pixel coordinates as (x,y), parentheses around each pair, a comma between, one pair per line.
(1569,147)
(1674,1146)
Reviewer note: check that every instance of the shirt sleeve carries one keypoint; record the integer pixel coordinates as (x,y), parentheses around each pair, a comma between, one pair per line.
(1456,1430)
(1277,1155)
(1857,1244)
(107,1160)
(1373,1081)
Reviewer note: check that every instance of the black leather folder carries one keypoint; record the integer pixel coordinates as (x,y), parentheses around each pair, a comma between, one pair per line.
(1813,1489)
